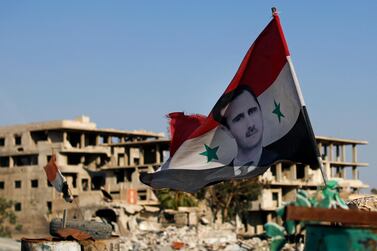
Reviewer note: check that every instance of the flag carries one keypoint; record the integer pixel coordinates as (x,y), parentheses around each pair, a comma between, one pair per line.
(56,178)
(259,120)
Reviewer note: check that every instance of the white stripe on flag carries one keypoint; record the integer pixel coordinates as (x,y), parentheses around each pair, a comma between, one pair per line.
(281,93)
(58,182)
(188,155)
(295,79)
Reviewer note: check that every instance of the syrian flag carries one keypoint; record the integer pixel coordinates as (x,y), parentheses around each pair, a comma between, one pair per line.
(259,120)
(56,178)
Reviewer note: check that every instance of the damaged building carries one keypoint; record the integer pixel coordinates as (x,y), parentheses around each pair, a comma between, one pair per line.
(102,168)
(95,162)
(281,181)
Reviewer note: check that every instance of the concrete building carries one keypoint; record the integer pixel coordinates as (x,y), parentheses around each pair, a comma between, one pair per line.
(100,163)
(281,181)
(94,161)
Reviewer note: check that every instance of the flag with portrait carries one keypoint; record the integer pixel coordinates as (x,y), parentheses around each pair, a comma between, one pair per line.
(260,119)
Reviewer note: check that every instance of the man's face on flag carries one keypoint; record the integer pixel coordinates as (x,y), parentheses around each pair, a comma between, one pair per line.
(244,120)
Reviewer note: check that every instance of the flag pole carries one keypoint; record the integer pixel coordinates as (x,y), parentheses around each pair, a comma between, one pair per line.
(303,108)
(324,176)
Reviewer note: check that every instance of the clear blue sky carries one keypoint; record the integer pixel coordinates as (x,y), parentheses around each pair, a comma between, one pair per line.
(127,64)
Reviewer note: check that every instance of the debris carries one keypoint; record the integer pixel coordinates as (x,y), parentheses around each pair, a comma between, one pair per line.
(71,233)
(181,219)
(204,220)
(193,238)
(151,209)
(98,230)
(218,236)
(366,203)
(149,226)
(7,244)
(132,209)
(31,245)
(192,218)
(106,195)
(177,245)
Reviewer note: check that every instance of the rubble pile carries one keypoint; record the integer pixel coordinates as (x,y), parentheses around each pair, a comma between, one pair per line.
(364,203)
(200,237)
(142,227)
(150,228)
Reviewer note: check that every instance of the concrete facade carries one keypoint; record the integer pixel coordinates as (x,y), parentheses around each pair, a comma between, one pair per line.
(281,181)
(106,163)
(94,161)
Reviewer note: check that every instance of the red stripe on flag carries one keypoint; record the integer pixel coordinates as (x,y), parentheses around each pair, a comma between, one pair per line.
(51,169)
(260,67)
(277,19)
(264,60)
(181,127)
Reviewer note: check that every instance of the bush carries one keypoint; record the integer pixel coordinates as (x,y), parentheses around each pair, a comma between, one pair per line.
(8,219)
(172,199)
(232,197)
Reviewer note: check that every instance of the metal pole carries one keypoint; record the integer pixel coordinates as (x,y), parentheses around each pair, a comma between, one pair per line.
(324,176)
(303,110)
(64,218)
(274,10)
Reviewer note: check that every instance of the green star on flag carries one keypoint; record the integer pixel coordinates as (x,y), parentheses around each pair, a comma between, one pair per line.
(277,111)
(210,153)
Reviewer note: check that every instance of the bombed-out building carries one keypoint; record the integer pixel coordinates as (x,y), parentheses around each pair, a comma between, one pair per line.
(102,164)
(94,161)
(281,181)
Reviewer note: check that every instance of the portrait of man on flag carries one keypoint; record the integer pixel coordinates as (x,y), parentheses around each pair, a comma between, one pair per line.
(240,116)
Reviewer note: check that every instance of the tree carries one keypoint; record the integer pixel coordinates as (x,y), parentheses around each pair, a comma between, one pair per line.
(228,197)
(373,191)
(170,199)
(231,197)
(7,218)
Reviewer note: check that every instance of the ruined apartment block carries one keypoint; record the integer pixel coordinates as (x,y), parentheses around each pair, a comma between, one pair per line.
(281,181)
(94,161)
(98,162)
